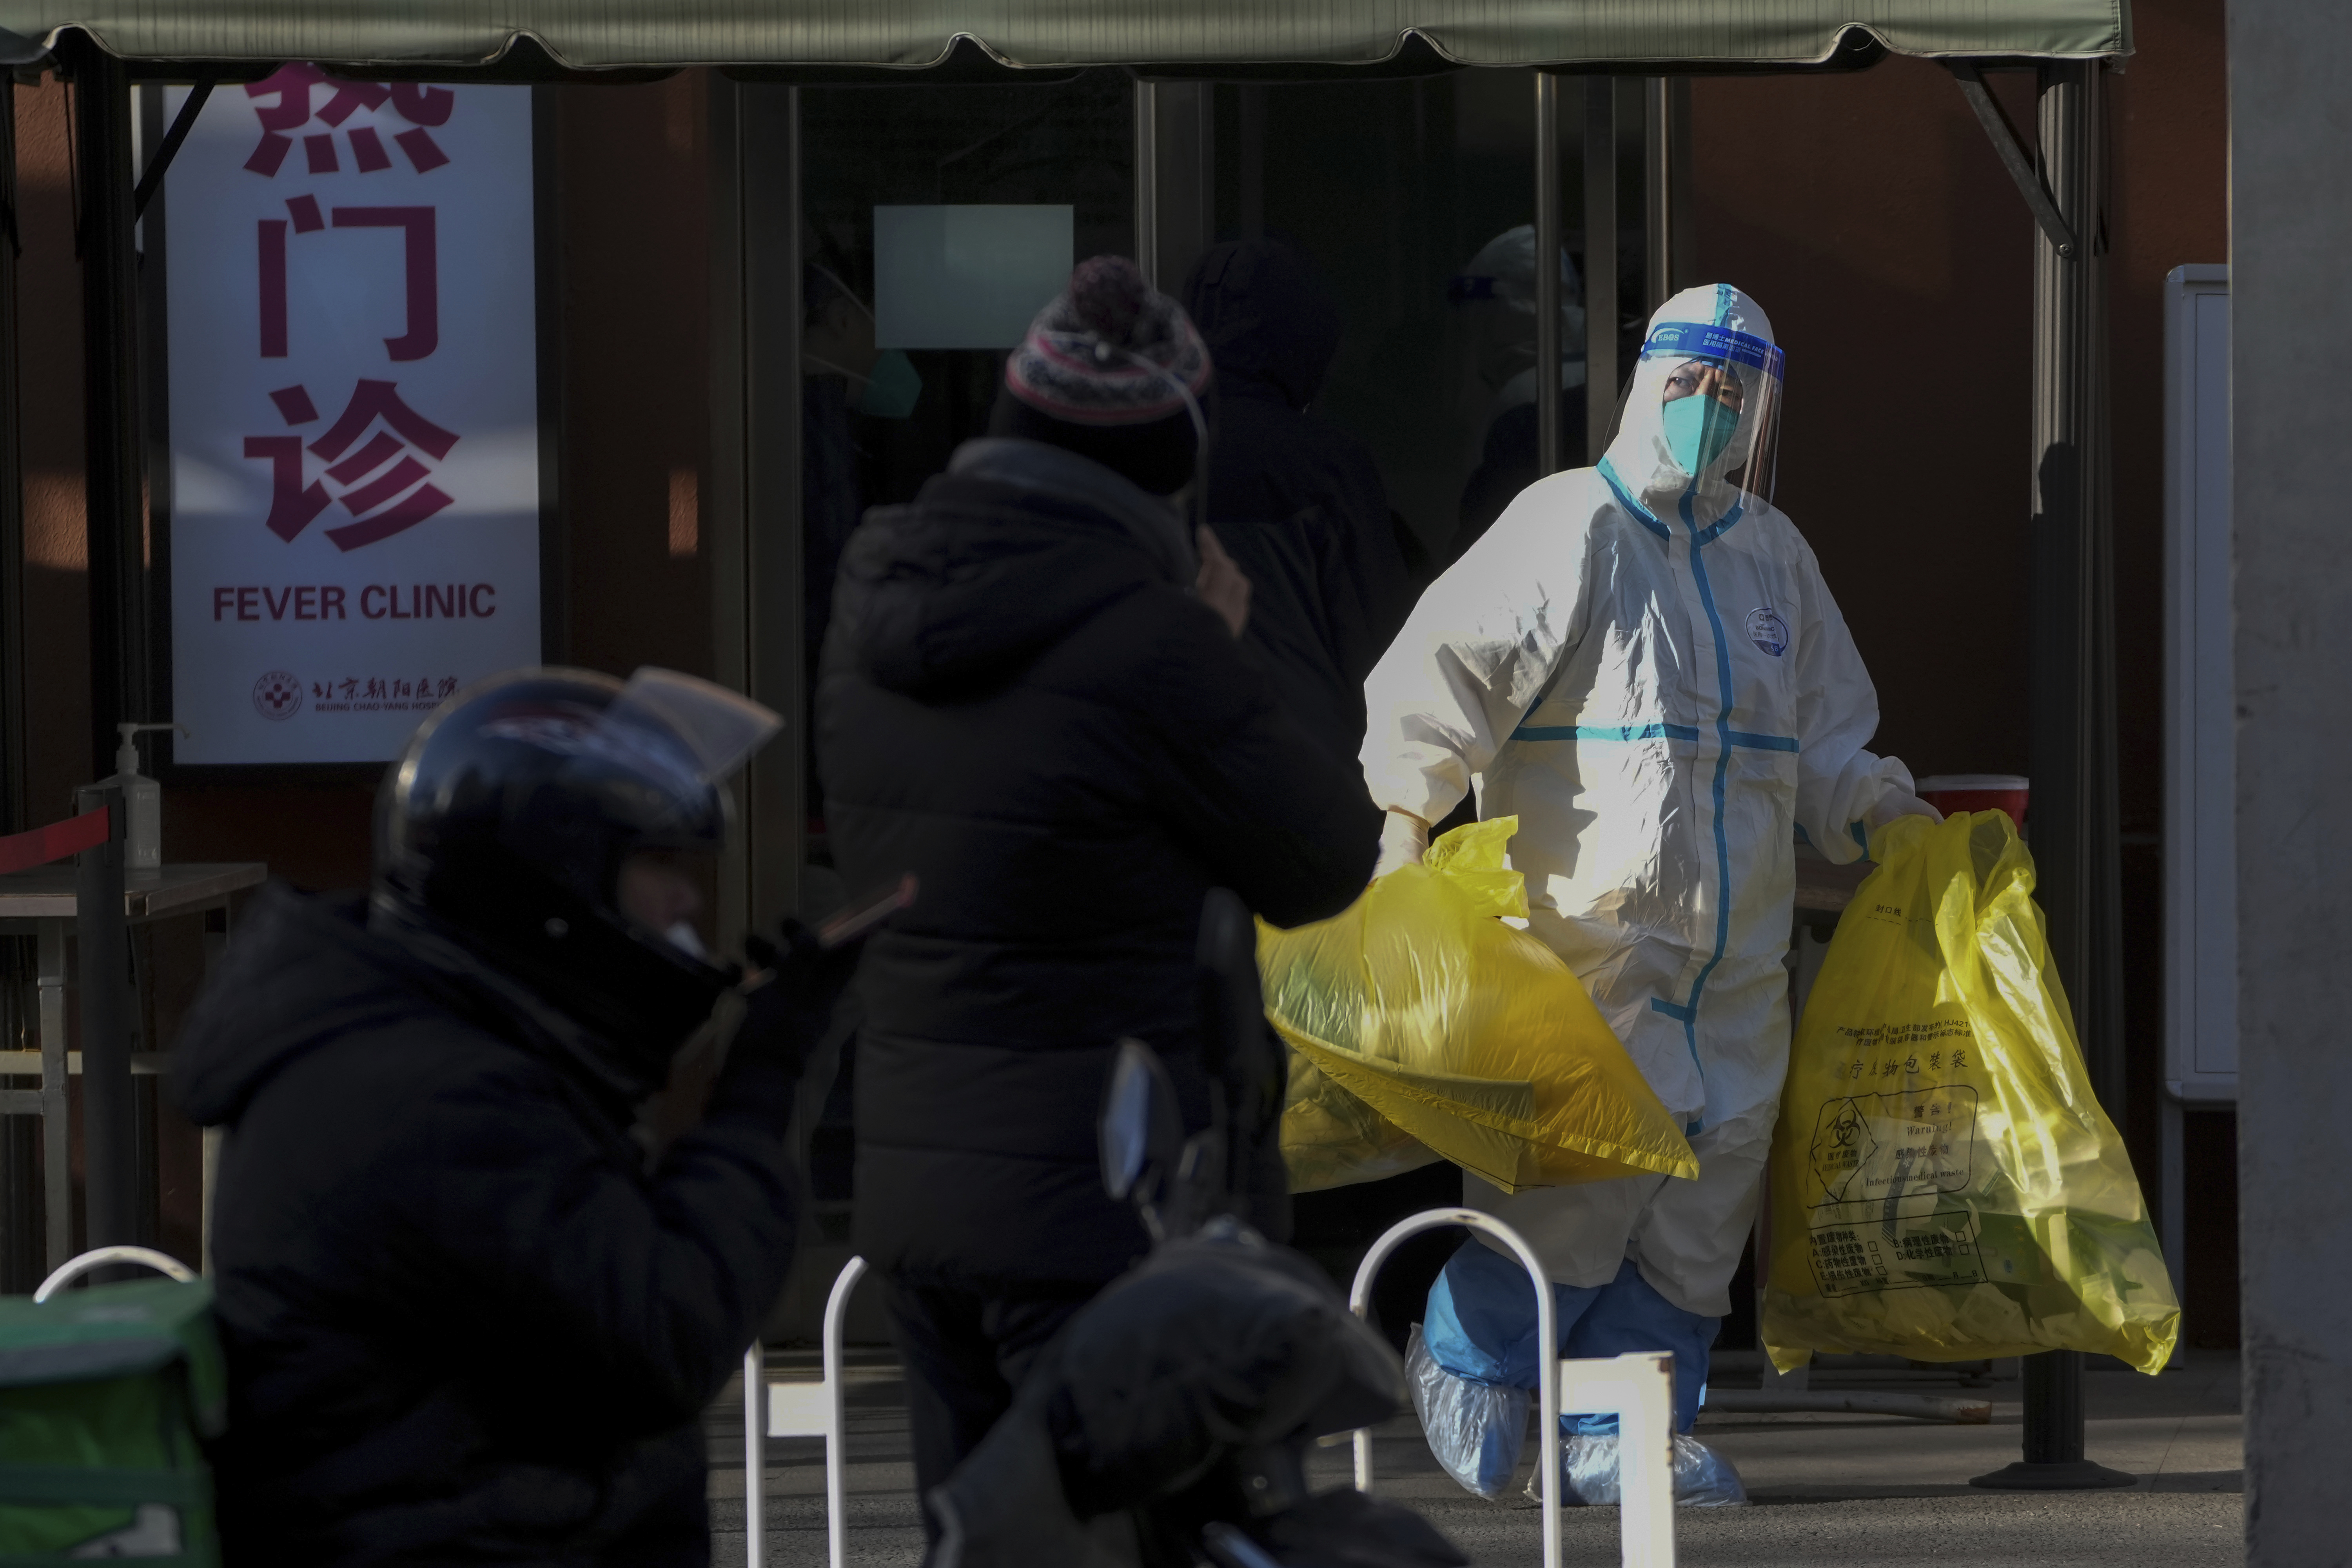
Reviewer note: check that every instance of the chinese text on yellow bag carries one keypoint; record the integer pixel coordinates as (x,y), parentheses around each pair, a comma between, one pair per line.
(1944,1185)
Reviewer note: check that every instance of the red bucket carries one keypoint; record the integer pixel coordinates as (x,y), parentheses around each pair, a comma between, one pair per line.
(1948,792)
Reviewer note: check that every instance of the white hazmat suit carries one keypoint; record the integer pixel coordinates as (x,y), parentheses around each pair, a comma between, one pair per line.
(1642,662)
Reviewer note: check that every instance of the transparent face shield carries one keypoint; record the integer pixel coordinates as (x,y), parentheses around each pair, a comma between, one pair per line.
(1719,413)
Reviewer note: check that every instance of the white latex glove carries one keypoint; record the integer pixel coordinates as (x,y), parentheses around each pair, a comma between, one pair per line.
(1900,803)
(1404,839)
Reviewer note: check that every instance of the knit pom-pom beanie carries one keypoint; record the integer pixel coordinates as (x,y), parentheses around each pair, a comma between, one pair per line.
(1100,372)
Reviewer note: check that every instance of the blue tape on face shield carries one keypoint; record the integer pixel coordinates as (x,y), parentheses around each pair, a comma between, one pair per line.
(1698,429)
(892,385)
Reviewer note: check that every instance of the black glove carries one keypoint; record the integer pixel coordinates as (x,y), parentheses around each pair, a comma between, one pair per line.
(789,1013)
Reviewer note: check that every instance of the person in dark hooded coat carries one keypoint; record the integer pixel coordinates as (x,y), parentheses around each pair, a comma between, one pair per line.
(1033,699)
(1297,501)
(465,1317)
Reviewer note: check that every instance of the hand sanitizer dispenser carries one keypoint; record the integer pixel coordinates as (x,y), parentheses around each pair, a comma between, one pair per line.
(142,799)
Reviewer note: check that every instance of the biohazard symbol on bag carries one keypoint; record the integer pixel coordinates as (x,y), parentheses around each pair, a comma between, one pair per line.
(1423,1028)
(1944,1185)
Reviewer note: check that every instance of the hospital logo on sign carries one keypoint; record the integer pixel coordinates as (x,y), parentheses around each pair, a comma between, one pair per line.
(278,695)
(1768,631)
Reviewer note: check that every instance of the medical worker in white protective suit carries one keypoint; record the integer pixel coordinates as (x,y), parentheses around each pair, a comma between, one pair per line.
(1642,662)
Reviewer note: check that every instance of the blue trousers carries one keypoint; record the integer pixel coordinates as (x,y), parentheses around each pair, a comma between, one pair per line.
(1481,1325)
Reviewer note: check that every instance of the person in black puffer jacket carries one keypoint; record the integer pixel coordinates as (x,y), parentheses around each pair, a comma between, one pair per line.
(1026,702)
(1297,501)
(465,1319)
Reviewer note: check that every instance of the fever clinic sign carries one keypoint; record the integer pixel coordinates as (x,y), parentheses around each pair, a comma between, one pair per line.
(354,505)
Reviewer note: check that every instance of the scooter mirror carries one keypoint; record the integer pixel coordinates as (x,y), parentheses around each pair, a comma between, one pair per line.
(1236,1045)
(1141,1134)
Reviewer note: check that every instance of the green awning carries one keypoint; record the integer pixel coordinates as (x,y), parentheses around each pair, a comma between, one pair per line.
(604,33)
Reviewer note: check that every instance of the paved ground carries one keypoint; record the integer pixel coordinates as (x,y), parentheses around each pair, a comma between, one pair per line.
(1830,1489)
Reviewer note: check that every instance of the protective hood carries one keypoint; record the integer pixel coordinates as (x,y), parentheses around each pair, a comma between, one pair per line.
(997,559)
(1269,322)
(1503,275)
(1666,462)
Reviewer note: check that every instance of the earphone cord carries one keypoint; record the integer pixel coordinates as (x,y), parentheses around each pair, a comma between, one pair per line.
(1199,500)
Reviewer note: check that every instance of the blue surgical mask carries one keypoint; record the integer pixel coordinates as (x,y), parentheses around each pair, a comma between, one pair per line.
(891,386)
(1697,429)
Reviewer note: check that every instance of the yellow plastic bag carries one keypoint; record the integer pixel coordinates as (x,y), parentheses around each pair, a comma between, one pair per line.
(1422,1028)
(1944,1184)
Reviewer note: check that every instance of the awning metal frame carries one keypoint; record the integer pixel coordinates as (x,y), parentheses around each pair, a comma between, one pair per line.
(810,40)
(169,148)
(2005,141)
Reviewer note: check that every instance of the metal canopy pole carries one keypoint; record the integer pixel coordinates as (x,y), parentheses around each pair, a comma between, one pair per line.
(1658,190)
(1600,302)
(110,1160)
(1250,116)
(1175,184)
(2072,717)
(110,455)
(20,1211)
(1547,302)
(12,512)
(1147,180)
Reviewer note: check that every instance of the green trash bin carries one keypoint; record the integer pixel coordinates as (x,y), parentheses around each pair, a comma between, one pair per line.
(106,1396)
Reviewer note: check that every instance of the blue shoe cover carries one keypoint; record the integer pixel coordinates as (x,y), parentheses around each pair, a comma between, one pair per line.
(1475,1429)
(1703,1477)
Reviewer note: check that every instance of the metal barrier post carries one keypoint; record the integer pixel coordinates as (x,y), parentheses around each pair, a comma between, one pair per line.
(1638,1388)
(798,1410)
(755,1457)
(100,1257)
(836,1456)
(1547,1334)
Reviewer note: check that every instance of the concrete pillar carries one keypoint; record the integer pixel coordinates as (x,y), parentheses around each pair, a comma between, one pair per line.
(2290,64)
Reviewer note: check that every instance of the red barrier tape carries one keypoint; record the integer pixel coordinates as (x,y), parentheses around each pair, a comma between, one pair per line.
(55,842)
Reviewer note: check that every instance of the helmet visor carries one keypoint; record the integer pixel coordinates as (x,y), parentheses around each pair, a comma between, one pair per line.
(722,728)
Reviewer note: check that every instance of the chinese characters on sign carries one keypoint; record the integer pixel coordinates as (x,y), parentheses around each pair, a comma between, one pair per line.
(353,366)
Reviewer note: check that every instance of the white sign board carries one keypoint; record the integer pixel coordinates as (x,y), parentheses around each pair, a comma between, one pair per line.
(2200,808)
(967,277)
(354,412)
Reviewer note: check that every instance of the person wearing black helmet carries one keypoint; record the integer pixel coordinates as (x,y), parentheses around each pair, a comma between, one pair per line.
(468,1316)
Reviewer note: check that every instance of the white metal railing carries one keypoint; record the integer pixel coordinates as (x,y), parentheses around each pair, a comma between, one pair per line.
(105,1256)
(795,1407)
(1637,1388)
